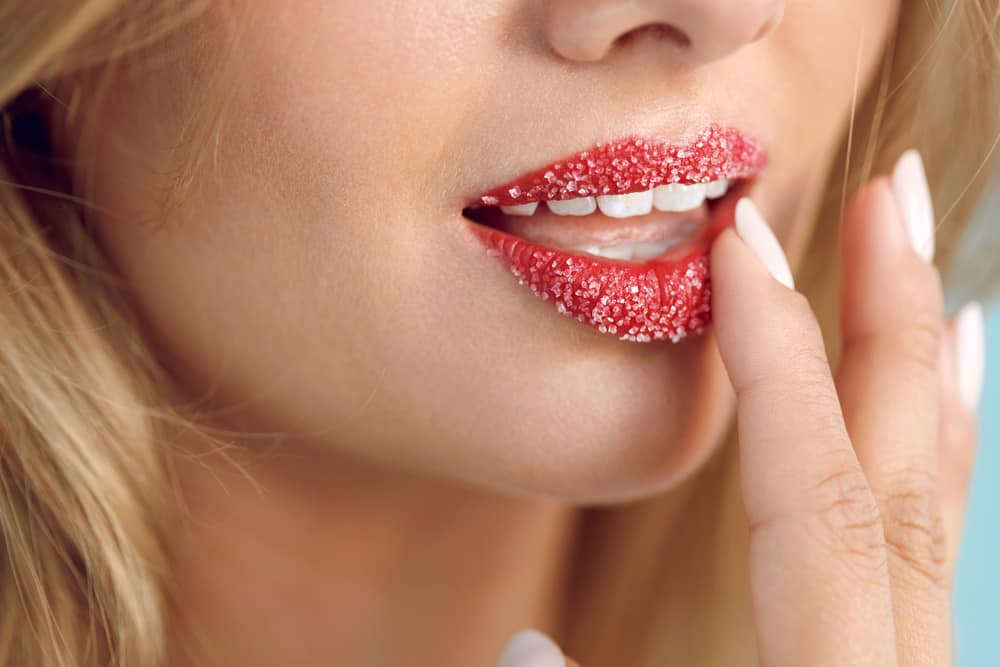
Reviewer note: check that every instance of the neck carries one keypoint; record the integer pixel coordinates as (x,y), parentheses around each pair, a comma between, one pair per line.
(288,563)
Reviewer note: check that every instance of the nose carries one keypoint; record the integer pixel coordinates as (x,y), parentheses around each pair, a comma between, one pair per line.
(699,31)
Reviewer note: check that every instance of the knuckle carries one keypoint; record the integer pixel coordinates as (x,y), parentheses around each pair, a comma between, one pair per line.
(914,525)
(849,517)
(912,347)
(911,329)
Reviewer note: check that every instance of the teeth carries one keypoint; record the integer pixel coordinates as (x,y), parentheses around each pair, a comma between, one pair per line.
(716,189)
(520,209)
(672,197)
(626,206)
(578,206)
(638,251)
(649,249)
(677,197)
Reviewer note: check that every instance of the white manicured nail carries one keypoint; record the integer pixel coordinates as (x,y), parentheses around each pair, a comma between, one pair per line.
(531,648)
(909,183)
(757,234)
(970,352)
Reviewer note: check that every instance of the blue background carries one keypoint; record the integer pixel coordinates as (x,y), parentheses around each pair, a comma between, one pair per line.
(977,587)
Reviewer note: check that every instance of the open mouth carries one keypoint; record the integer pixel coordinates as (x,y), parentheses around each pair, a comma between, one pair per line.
(618,236)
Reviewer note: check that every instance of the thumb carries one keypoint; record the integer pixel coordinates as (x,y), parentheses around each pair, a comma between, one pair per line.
(532,648)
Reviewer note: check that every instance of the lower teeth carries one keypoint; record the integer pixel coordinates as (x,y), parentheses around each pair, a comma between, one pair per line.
(637,251)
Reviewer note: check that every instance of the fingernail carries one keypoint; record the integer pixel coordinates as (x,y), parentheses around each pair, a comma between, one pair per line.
(970,352)
(531,648)
(909,184)
(757,234)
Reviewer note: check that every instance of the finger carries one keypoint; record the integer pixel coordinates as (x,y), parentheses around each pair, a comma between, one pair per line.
(531,648)
(571,663)
(819,580)
(889,383)
(962,357)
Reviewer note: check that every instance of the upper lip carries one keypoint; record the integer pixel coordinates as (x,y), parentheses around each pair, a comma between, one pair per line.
(636,163)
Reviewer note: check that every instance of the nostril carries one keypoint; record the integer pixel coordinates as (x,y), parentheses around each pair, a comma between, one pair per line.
(661,32)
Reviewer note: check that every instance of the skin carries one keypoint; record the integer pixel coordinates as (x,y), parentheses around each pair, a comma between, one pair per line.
(319,283)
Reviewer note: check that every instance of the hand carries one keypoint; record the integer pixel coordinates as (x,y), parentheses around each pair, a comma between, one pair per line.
(854,486)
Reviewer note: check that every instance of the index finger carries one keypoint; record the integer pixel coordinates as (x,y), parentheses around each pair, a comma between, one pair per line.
(818,569)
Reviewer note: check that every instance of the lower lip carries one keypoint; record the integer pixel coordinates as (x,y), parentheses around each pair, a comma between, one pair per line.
(666,298)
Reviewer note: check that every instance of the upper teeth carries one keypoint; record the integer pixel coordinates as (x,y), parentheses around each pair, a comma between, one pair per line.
(520,209)
(625,206)
(578,206)
(672,197)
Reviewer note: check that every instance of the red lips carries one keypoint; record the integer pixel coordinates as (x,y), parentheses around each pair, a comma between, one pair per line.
(668,297)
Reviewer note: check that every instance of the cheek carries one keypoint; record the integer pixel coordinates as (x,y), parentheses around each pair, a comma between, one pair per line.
(827,47)
(360,101)
(825,56)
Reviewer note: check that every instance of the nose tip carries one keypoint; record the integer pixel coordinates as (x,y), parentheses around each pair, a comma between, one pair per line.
(695,31)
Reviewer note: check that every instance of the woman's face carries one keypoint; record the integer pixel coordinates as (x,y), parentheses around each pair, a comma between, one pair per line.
(321,280)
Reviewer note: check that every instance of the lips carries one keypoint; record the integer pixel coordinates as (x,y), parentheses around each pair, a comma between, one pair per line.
(624,248)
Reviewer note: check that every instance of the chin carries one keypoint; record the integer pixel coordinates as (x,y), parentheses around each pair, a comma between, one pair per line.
(637,427)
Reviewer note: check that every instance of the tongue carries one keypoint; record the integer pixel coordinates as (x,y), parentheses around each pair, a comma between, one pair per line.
(565,231)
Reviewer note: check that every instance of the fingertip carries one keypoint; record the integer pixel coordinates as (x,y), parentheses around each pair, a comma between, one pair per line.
(759,323)
(751,279)
(747,254)
(722,250)
(870,197)
(727,259)
(531,648)
(873,224)
(755,231)
(887,285)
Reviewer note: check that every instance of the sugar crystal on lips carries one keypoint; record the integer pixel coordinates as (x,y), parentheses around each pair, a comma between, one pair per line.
(634,163)
(659,302)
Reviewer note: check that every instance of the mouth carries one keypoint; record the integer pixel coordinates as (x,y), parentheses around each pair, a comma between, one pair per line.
(618,236)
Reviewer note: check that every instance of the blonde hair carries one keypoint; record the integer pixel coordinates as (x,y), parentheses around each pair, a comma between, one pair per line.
(86,490)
